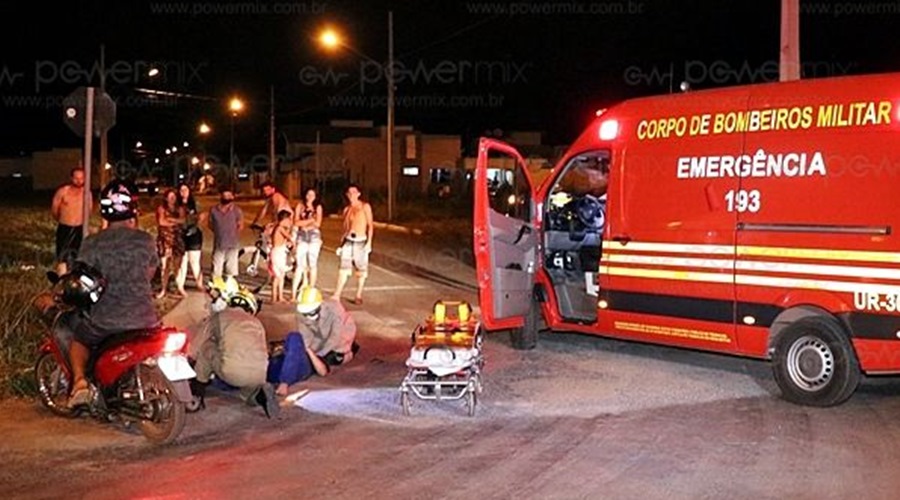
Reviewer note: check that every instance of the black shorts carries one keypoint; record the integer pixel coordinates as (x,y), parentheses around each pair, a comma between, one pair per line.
(193,239)
(84,331)
(68,241)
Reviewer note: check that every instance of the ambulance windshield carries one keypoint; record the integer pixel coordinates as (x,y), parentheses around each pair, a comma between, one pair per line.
(586,174)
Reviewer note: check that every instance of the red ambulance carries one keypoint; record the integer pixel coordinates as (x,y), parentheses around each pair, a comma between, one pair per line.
(758,221)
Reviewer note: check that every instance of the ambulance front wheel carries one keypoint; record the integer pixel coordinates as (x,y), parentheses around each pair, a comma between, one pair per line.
(526,337)
(814,363)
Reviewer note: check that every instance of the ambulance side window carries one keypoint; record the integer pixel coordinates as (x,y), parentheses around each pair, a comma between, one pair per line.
(510,193)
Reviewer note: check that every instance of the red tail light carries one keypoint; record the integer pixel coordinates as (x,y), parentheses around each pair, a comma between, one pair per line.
(175,342)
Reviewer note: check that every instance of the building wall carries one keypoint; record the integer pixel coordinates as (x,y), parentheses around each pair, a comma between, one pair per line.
(10,166)
(537,167)
(51,169)
(438,152)
(365,159)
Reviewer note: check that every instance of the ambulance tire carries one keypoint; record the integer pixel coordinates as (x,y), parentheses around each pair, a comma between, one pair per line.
(526,337)
(814,363)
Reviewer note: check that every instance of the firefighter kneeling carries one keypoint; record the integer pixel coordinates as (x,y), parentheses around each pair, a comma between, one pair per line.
(232,346)
(325,337)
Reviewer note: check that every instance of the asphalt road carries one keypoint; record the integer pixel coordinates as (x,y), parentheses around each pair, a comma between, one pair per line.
(578,417)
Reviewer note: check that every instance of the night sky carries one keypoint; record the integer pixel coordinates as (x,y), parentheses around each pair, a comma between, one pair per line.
(465,67)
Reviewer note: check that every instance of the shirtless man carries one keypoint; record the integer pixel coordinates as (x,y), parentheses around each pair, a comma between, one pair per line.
(68,212)
(275,202)
(356,243)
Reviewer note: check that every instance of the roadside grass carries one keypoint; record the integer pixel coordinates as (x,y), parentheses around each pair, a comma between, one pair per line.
(26,247)
(26,254)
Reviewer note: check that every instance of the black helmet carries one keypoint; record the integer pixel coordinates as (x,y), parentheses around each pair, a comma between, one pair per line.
(245,300)
(81,287)
(117,203)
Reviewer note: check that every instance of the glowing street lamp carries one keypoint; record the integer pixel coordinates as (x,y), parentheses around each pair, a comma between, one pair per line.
(204,130)
(235,105)
(330,39)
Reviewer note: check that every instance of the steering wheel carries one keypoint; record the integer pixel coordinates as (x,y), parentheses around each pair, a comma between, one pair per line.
(589,211)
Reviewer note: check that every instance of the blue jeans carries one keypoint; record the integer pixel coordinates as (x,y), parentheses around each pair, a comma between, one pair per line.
(293,365)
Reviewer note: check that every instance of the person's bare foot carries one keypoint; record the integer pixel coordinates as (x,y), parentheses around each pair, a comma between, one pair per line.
(182,292)
(282,390)
(161,294)
(358,301)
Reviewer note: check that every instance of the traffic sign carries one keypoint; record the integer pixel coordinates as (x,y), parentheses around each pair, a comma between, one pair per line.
(75,111)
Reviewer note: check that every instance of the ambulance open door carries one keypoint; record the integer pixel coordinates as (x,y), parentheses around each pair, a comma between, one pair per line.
(505,236)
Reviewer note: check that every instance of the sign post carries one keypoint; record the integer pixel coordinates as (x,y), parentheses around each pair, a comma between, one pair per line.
(88,142)
(87,113)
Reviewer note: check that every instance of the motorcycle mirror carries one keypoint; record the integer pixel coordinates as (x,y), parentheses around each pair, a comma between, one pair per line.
(53,277)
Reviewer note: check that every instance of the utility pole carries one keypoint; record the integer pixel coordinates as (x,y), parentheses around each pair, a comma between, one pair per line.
(789,68)
(390,118)
(317,181)
(272,133)
(104,138)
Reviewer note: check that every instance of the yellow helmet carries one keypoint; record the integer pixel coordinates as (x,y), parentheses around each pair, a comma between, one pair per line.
(224,288)
(309,300)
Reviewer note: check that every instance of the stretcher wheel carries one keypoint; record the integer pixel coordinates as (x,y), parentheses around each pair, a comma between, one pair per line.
(405,403)
(471,401)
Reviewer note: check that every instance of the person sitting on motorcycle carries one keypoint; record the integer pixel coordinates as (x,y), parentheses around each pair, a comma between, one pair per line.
(126,257)
(231,344)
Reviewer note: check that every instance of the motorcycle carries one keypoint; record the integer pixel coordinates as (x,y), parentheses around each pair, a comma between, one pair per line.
(139,376)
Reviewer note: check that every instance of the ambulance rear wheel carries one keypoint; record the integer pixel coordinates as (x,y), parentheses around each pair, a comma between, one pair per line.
(526,337)
(814,363)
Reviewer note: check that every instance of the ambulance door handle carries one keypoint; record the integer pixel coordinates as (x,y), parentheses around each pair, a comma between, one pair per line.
(525,229)
(622,238)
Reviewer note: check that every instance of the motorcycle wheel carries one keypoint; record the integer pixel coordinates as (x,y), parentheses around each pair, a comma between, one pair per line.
(167,413)
(53,384)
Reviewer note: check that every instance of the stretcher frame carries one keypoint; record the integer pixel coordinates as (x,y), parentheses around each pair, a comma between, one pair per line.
(446,361)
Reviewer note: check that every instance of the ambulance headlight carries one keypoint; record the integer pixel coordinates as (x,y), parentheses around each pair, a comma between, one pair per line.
(609,130)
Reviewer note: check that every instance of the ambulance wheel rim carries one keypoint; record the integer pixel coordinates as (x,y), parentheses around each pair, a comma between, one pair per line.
(810,363)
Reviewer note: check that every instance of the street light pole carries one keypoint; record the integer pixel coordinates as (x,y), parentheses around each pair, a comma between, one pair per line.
(389,73)
(235,106)
(231,157)
(331,39)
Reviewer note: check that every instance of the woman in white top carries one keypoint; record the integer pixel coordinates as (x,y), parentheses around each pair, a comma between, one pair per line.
(307,221)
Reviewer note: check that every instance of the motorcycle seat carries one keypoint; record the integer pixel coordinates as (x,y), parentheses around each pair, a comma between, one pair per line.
(128,336)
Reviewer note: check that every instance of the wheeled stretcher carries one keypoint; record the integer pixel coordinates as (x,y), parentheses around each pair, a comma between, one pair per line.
(445,359)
